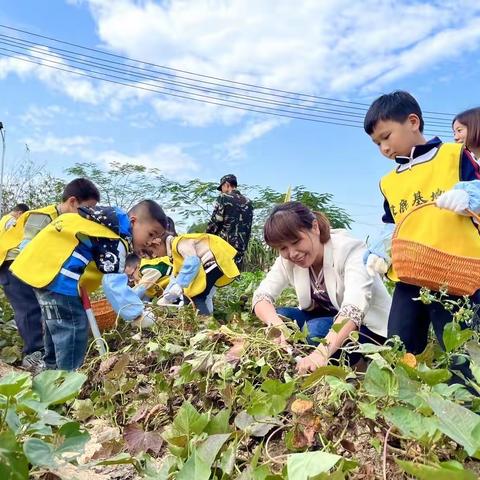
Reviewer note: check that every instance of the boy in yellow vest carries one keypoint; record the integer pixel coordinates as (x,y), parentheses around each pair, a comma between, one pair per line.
(28,317)
(9,220)
(201,262)
(425,171)
(58,256)
(149,276)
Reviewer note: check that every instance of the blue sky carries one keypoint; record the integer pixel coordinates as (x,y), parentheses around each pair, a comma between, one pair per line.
(347,50)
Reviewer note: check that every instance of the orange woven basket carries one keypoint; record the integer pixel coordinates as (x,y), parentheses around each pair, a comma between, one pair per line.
(104,314)
(425,266)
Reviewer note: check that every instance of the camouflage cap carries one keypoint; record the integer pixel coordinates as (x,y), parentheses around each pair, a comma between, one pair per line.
(230,178)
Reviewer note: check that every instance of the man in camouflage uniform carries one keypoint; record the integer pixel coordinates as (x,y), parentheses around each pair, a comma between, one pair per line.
(232,216)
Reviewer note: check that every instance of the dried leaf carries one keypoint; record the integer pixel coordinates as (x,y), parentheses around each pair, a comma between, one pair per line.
(138,440)
(348,445)
(120,366)
(299,440)
(300,407)
(107,364)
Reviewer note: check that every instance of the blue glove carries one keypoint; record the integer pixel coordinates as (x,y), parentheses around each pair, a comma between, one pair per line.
(188,272)
(473,190)
(123,299)
(382,245)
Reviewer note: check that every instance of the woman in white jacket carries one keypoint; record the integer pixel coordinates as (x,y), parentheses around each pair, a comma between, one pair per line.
(331,282)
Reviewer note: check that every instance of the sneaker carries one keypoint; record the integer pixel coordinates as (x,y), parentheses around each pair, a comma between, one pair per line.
(33,362)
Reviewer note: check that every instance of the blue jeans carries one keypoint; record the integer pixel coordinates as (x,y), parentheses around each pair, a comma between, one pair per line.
(66,330)
(204,301)
(317,326)
(28,316)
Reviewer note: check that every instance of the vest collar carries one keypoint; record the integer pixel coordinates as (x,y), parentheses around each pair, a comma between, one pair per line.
(419,154)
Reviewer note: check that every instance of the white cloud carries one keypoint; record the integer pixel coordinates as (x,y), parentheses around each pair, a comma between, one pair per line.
(235,145)
(170,159)
(38,117)
(75,145)
(336,48)
(329,47)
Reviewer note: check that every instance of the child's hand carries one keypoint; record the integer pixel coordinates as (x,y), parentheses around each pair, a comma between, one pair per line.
(173,293)
(455,200)
(376,264)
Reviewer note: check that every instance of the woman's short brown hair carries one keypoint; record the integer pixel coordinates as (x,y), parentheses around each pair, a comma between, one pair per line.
(471,119)
(287,220)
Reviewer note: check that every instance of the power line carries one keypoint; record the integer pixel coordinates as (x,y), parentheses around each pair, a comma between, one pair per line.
(73,56)
(228,103)
(245,106)
(176,95)
(169,82)
(218,79)
(187,91)
(100,63)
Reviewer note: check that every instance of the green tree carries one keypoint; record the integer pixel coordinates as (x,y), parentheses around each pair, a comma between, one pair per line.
(31,184)
(122,185)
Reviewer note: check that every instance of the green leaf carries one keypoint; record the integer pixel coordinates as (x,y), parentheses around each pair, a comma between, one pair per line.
(220,423)
(153,472)
(83,409)
(380,382)
(437,472)
(227,460)
(13,420)
(456,422)
(272,398)
(14,383)
(57,386)
(454,337)
(320,372)
(38,452)
(302,466)
(199,464)
(473,349)
(194,468)
(208,450)
(74,440)
(407,388)
(13,463)
(187,423)
(369,410)
(411,424)
(433,376)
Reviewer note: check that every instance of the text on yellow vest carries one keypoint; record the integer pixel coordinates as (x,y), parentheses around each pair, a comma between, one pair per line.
(425,182)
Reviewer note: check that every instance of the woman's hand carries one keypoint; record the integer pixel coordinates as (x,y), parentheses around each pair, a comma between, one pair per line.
(277,335)
(311,362)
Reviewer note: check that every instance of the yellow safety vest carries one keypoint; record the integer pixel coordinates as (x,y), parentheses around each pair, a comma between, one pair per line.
(42,259)
(223,254)
(157,289)
(422,183)
(14,236)
(4,220)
